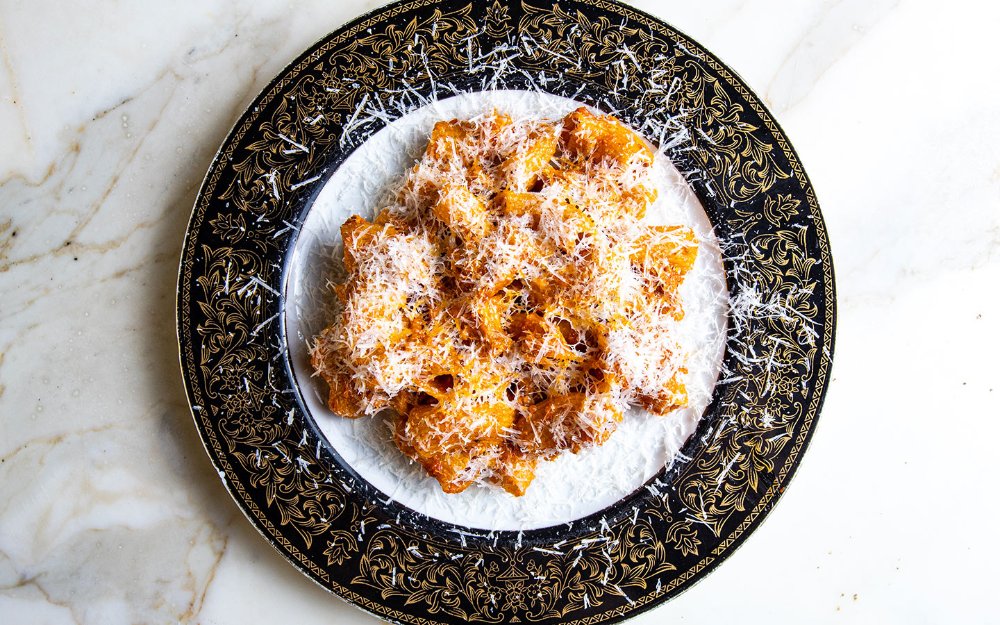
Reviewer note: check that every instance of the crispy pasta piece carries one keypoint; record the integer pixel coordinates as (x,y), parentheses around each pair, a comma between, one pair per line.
(603,138)
(447,143)
(519,204)
(666,254)
(525,168)
(515,470)
(358,236)
(491,314)
(541,342)
(463,212)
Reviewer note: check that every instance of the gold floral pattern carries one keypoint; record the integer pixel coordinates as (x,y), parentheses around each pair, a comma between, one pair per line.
(497,20)
(575,575)
(408,568)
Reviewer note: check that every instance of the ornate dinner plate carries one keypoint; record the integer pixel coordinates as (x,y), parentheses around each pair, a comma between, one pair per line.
(340,117)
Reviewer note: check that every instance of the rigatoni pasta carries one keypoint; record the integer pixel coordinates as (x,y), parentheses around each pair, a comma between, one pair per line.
(511,303)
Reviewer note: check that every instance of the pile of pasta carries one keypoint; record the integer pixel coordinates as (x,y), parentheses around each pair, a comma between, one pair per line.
(511,303)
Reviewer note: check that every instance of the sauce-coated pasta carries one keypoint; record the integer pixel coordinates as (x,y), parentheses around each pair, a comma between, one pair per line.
(511,303)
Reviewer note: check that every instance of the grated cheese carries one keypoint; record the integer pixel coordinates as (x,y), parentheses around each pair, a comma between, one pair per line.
(510,303)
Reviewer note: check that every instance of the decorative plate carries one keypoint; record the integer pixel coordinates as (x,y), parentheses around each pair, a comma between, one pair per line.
(238,344)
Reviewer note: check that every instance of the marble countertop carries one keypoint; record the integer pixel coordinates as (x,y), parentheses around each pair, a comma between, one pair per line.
(110,511)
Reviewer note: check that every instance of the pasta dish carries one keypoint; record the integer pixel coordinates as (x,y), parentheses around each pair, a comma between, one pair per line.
(511,303)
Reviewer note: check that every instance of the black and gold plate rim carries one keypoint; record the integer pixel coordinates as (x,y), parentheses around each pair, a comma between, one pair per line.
(396,563)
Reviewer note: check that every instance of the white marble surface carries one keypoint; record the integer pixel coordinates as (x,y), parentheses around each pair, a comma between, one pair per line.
(110,511)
